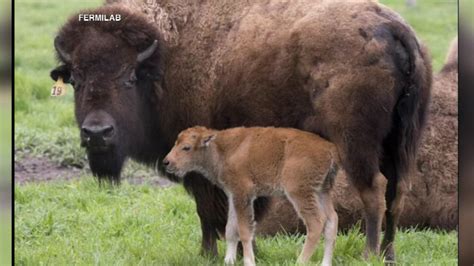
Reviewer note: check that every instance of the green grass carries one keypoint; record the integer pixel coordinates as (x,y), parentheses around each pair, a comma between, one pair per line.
(434,21)
(43,125)
(76,222)
(63,222)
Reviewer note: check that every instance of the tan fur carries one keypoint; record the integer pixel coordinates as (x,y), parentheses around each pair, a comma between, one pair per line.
(252,162)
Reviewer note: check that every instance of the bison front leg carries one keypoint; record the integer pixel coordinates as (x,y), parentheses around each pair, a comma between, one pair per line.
(209,239)
(211,206)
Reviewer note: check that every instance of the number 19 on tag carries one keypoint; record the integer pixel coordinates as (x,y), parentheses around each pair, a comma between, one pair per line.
(59,88)
(56,91)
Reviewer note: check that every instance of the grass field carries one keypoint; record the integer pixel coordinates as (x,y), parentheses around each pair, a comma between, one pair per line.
(61,222)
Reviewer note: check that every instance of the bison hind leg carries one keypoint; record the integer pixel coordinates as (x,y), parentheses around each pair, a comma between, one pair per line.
(394,196)
(373,198)
(361,166)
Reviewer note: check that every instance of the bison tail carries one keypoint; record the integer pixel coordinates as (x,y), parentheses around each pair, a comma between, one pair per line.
(409,116)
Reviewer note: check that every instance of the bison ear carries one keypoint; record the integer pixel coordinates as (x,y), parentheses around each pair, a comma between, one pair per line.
(207,139)
(63,72)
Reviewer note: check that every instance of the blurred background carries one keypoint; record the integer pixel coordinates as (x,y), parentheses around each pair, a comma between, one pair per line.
(5,133)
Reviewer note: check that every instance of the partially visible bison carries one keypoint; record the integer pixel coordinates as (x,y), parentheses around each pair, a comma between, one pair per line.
(432,200)
(352,72)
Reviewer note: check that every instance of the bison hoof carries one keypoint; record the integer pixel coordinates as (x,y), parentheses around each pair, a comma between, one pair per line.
(209,253)
(389,255)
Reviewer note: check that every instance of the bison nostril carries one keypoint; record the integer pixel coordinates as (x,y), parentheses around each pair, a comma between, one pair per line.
(97,131)
(86,131)
(108,131)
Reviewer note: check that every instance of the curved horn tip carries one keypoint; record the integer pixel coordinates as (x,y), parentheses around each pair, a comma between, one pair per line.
(148,52)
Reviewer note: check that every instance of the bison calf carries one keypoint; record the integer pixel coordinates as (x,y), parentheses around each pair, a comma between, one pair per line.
(251,162)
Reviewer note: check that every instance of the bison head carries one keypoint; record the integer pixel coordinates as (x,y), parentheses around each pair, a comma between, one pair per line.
(191,152)
(115,69)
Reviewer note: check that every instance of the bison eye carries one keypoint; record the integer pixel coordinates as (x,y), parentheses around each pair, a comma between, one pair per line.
(186,148)
(71,80)
(75,80)
(132,80)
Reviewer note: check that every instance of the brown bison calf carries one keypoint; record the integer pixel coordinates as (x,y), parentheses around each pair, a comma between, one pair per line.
(251,162)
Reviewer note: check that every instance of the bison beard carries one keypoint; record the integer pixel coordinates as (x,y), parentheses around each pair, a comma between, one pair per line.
(106,165)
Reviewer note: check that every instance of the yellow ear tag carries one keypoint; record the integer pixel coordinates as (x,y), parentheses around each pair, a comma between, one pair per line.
(59,88)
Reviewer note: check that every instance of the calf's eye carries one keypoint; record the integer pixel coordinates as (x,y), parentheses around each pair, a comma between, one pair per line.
(186,148)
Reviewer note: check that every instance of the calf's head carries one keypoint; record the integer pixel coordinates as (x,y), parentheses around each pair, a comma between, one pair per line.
(191,152)
(114,68)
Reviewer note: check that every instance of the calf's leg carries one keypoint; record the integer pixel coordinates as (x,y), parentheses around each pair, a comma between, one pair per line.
(231,235)
(330,230)
(307,205)
(245,219)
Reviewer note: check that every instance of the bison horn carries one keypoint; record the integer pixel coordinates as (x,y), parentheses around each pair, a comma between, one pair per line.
(64,56)
(148,52)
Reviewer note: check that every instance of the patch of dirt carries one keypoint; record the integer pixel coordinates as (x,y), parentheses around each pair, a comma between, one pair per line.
(36,169)
(31,168)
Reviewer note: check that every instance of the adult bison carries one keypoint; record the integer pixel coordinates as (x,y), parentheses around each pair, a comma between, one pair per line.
(352,72)
(432,200)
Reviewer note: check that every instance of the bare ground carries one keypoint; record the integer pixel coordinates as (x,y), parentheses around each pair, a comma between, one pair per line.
(36,169)
(29,168)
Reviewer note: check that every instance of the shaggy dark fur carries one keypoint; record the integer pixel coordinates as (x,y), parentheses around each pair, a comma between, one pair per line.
(352,72)
(432,200)
(100,75)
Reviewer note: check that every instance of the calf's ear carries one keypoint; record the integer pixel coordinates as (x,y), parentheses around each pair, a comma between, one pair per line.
(207,139)
(61,71)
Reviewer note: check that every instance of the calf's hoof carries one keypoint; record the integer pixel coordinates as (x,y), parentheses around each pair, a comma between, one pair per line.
(229,260)
(326,263)
(301,261)
(249,262)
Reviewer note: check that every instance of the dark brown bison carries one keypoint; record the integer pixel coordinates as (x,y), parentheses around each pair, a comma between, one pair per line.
(352,72)
(432,200)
